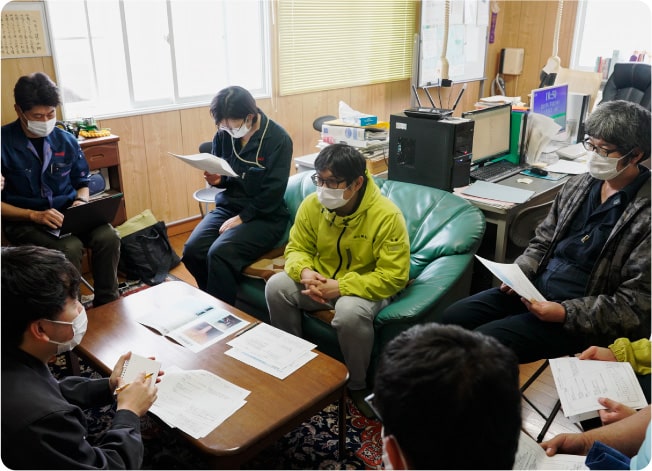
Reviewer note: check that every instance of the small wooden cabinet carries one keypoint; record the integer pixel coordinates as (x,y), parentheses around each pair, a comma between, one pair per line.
(103,153)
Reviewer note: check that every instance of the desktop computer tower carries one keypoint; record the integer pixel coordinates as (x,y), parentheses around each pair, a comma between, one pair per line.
(430,152)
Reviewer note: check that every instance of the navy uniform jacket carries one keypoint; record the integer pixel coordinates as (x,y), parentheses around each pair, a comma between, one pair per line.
(52,183)
(43,426)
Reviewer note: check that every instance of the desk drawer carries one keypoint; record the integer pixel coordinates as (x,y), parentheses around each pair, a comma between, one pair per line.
(102,155)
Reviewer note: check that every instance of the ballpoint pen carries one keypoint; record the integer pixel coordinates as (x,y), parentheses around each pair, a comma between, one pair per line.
(124,386)
(246,329)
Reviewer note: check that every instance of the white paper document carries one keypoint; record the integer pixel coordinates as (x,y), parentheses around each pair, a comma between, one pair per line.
(194,323)
(207,162)
(512,275)
(530,455)
(196,401)
(581,382)
(138,364)
(571,167)
(271,350)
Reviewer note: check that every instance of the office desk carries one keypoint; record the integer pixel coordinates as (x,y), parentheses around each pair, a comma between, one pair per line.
(274,406)
(502,217)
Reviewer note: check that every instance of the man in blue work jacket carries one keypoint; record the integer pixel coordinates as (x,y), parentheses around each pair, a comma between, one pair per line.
(45,172)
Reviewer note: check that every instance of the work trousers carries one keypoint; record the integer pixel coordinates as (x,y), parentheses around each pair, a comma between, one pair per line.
(353,321)
(217,260)
(506,318)
(103,242)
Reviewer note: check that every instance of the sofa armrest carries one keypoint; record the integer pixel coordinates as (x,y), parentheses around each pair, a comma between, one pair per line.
(421,300)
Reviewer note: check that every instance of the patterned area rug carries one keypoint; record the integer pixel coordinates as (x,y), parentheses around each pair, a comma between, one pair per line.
(312,445)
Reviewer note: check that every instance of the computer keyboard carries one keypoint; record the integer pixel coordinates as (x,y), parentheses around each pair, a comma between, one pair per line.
(496,171)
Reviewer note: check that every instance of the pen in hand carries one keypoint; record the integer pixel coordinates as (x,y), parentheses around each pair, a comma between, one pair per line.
(124,386)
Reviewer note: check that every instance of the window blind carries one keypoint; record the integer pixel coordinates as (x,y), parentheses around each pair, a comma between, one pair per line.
(343,43)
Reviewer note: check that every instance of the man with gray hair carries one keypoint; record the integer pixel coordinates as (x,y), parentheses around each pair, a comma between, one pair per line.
(590,257)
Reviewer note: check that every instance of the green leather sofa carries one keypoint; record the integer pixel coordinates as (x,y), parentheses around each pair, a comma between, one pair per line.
(445,232)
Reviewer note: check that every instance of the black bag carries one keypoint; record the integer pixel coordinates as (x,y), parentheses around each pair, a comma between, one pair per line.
(147,255)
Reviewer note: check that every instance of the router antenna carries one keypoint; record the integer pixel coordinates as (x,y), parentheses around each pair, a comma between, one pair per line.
(429,97)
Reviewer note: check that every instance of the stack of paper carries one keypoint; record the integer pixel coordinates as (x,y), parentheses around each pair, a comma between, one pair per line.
(530,455)
(196,401)
(271,350)
(581,382)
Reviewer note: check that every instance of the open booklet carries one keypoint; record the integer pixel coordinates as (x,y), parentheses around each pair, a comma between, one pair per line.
(207,162)
(581,382)
(530,455)
(193,323)
(512,275)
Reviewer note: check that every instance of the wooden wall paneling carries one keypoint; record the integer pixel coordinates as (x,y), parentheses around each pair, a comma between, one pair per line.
(170,182)
(11,71)
(288,113)
(399,96)
(314,105)
(133,164)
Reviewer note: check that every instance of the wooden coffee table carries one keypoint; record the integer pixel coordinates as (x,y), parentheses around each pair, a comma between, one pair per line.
(274,406)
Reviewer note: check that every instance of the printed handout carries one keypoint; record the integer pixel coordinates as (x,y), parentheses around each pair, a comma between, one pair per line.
(193,323)
(581,382)
(207,162)
(196,401)
(512,275)
(530,455)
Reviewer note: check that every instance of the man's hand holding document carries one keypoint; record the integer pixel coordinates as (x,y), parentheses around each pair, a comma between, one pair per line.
(512,275)
(208,163)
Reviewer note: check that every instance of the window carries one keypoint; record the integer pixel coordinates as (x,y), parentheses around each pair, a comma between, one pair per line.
(131,56)
(607,26)
(343,43)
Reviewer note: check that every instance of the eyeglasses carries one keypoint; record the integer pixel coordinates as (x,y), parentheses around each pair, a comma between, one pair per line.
(601,151)
(221,127)
(370,402)
(330,183)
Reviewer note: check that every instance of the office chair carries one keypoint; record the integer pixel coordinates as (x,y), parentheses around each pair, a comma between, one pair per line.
(630,81)
(521,230)
(206,196)
(316,124)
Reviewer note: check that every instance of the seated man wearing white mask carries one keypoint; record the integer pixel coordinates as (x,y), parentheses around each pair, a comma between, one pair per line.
(590,257)
(349,251)
(43,425)
(46,172)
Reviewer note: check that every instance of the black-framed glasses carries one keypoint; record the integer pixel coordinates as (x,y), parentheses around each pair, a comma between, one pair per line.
(370,402)
(330,183)
(601,151)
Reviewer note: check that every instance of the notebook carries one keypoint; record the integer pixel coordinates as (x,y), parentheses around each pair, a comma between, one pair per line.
(84,217)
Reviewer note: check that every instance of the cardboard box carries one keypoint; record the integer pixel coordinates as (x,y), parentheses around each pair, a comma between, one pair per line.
(342,132)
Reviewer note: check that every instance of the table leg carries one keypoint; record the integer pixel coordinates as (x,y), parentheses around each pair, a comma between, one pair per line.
(342,425)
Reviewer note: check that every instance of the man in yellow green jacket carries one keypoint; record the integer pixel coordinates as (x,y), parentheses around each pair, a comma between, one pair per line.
(348,251)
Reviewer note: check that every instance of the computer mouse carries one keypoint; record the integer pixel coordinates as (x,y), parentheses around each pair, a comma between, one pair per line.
(538,171)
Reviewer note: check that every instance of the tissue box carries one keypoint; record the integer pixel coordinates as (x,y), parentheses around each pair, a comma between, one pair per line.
(364,120)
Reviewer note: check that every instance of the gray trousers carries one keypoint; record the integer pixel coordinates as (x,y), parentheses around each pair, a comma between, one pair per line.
(353,321)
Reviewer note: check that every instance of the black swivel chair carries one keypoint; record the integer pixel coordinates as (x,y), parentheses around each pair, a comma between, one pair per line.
(630,81)
(316,124)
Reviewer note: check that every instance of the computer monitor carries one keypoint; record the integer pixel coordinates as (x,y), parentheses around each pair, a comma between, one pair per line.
(551,102)
(492,132)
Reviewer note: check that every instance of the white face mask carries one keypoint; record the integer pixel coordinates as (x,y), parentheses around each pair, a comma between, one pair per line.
(240,132)
(331,198)
(41,128)
(79,325)
(604,168)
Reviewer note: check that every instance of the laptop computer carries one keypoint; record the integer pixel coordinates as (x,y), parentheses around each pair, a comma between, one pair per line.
(84,217)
